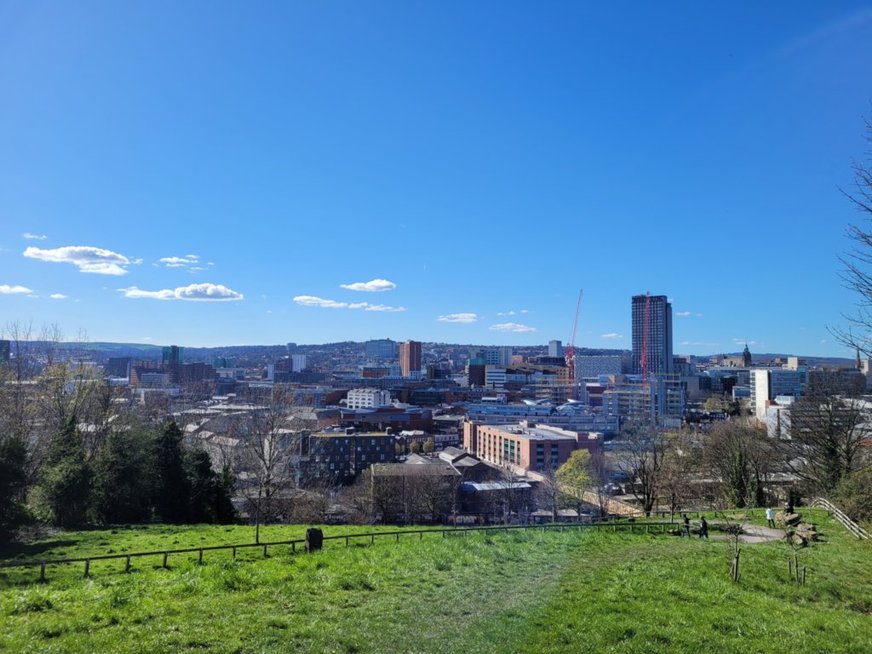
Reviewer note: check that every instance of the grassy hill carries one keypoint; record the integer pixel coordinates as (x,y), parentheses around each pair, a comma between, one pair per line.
(501,592)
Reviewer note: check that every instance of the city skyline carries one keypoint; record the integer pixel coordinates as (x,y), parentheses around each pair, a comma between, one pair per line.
(314,173)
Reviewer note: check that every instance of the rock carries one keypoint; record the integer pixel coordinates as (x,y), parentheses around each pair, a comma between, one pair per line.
(788,518)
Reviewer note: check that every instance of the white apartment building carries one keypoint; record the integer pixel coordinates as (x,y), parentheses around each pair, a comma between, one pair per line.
(367,398)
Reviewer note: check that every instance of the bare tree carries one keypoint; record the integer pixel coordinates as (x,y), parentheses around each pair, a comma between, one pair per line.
(829,436)
(267,460)
(641,458)
(677,473)
(856,274)
(741,458)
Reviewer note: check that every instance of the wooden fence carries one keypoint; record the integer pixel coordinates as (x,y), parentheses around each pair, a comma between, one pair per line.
(163,555)
(840,515)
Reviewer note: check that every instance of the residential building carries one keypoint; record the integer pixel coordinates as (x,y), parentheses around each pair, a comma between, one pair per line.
(367,398)
(555,349)
(657,312)
(339,455)
(525,445)
(410,358)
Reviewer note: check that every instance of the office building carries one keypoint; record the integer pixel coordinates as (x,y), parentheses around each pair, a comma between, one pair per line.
(172,355)
(383,348)
(658,311)
(410,358)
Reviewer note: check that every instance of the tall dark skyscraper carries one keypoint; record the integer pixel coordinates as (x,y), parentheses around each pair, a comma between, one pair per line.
(659,313)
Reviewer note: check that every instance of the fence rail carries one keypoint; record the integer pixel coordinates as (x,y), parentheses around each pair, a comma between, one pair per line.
(841,516)
(646,527)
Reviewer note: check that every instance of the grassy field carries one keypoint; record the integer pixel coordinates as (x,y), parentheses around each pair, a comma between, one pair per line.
(506,592)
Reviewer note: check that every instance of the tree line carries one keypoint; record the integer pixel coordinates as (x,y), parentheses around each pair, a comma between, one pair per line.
(71,454)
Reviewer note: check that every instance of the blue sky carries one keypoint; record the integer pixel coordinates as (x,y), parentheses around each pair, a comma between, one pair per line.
(216,173)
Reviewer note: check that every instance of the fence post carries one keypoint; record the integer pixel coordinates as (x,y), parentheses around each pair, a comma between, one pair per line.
(346,541)
(372,539)
(264,551)
(165,554)
(293,546)
(234,553)
(200,557)
(127,565)
(42,571)
(87,567)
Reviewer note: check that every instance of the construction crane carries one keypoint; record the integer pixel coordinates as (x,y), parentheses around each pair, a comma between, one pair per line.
(569,352)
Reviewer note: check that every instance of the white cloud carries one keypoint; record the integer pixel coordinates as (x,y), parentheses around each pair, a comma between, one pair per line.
(612,335)
(180,262)
(683,314)
(700,343)
(6,289)
(382,307)
(511,327)
(34,237)
(372,286)
(86,258)
(506,313)
(58,296)
(458,317)
(190,293)
(313,301)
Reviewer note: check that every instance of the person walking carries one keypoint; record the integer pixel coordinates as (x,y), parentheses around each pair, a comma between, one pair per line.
(770,516)
(686,530)
(703,527)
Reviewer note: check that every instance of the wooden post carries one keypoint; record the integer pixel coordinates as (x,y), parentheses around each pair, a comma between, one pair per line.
(165,554)
(264,551)
(87,567)
(420,535)
(293,547)
(127,565)
(372,539)
(200,557)
(398,537)
(42,571)
(234,553)
(346,541)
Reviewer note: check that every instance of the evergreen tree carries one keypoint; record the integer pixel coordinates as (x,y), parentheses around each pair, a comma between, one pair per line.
(203,484)
(224,509)
(171,489)
(13,481)
(64,484)
(121,490)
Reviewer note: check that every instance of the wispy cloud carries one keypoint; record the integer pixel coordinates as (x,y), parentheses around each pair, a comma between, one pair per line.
(700,344)
(611,335)
(190,293)
(683,314)
(86,258)
(372,286)
(459,317)
(511,327)
(743,341)
(506,313)
(58,296)
(6,289)
(180,262)
(314,301)
(34,237)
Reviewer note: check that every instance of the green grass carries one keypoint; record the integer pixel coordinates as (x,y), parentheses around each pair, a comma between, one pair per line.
(501,592)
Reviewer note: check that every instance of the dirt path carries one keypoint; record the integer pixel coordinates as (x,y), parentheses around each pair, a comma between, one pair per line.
(755,534)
